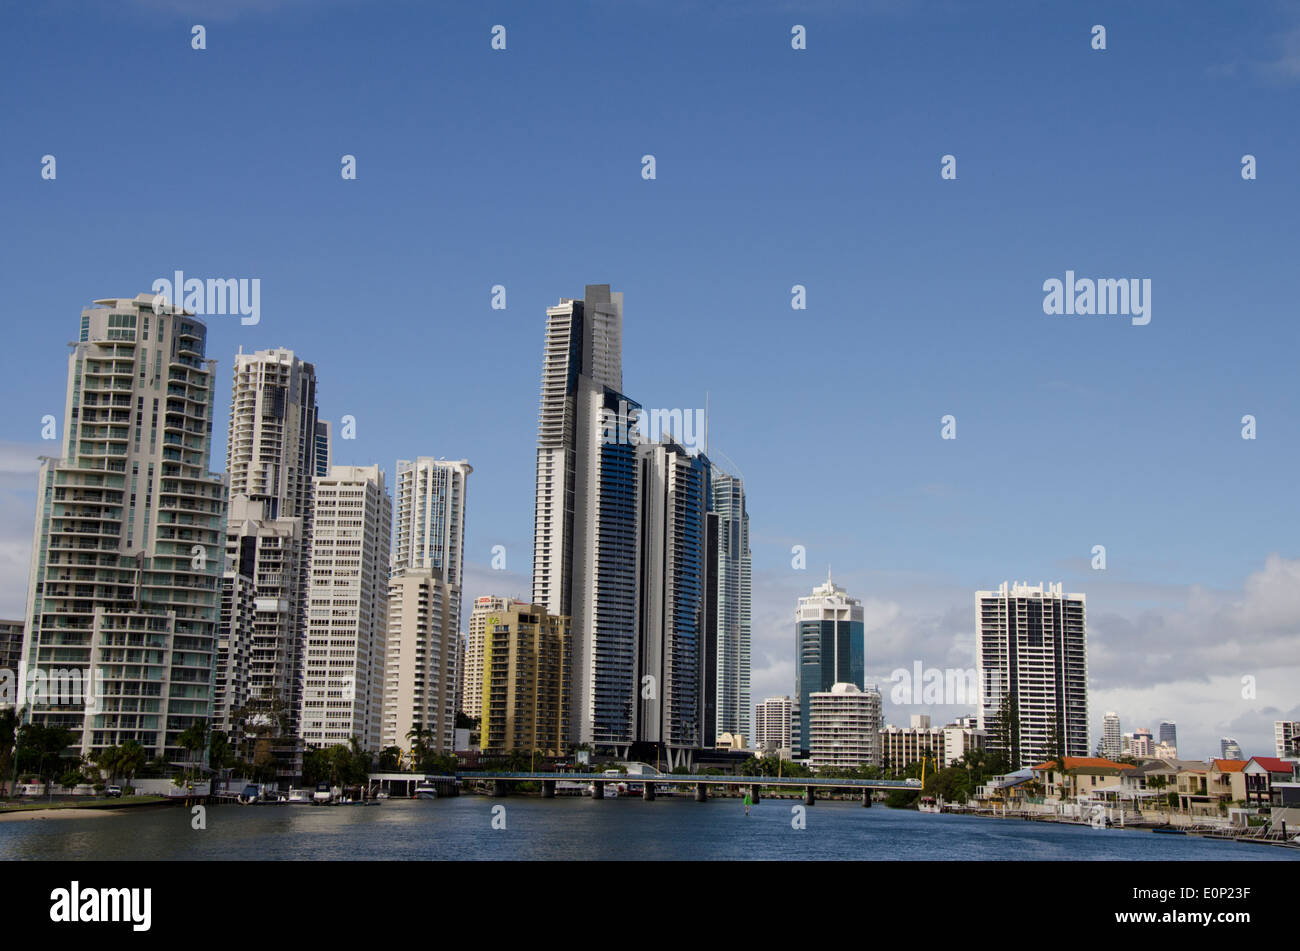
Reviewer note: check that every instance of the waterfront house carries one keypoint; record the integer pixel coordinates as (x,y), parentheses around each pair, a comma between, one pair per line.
(1261,773)
(1084,776)
(1007,790)
(1226,781)
(1288,793)
(1149,784)
(1193,790)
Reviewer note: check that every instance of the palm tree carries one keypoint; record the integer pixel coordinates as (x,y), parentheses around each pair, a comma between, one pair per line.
(1008,730)
(130,757)
(193,739)
(108,759)
(8,741)
(1059,760)
(421,745)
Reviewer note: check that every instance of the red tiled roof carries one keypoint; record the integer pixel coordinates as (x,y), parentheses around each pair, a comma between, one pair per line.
(1084,762)
(1272,764)
(1230,765)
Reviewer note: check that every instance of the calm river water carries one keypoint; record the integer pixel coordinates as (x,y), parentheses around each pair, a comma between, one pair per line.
(676,828)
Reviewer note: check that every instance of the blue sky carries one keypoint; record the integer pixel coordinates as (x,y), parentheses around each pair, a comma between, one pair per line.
(774,167)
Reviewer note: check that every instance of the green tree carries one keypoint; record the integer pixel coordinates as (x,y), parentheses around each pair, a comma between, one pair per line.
(43,750)
(106,760)
(1008,731)
(315,766)
(421,747)
(1057,759)
(220,752)
(131,758)
(8,740)
(343,764)
(902,798)
(194,740)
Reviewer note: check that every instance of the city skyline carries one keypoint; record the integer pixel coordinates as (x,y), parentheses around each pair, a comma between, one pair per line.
(316,451)
(1197,523)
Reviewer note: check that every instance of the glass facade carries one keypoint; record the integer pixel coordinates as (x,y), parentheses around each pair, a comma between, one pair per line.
(830,648)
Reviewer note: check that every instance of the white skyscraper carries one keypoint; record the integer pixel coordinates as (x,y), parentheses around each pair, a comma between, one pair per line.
(733,603)
(420,675)
(583,356)
(585,538)
(844,727)
(1031,648)
(429,516)
(1286,737)
(122,595)
(423,654)
(277,446)
(1142,744)
(343,678)
(772,722)
(1110,736)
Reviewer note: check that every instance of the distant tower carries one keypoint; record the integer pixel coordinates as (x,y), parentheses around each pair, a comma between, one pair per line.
(733,597)
(422,666)
(1031,648)
(1286,737)
(471,681)
(343,672)
(276,448)
(1142,744)
(1110,736)
(585,520)
(829,650)
(772,722)
(673,501)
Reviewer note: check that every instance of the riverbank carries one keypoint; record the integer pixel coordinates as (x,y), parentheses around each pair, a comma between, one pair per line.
(17,811)
(1165,824)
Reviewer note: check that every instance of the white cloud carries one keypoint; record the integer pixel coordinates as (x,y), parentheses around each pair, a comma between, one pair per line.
(1154,651)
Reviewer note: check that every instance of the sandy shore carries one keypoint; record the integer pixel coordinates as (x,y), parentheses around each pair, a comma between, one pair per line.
(57,814)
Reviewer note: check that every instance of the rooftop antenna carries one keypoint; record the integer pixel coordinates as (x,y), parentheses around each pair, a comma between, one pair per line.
(706,422)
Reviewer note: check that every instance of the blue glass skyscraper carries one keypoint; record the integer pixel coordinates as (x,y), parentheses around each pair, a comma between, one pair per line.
(829,643)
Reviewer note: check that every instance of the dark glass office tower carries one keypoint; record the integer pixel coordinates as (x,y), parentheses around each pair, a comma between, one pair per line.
(829,649)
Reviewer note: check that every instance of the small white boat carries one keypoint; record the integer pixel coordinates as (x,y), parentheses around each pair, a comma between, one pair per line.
(929,804)
(425,791)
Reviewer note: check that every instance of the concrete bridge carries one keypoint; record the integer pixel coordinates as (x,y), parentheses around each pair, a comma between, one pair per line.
(502,782)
